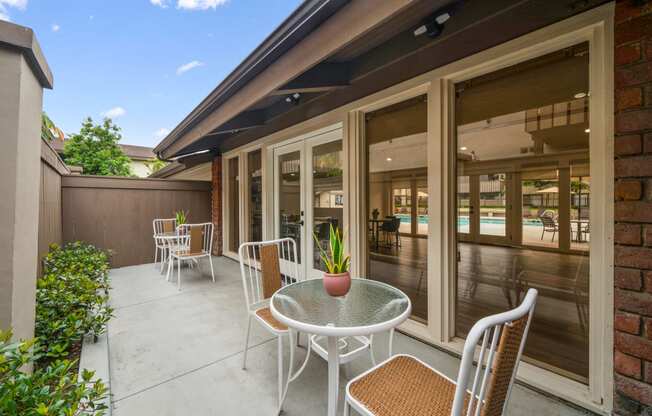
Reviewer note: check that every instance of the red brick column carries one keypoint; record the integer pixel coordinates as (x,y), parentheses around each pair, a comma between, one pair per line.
(216,204)
(633,209)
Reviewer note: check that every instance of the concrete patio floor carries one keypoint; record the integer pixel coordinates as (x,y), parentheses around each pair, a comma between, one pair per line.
(180,353)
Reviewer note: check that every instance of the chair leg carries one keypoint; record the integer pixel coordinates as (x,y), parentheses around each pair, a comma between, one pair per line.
(391,341)
(168,260)
(280,370)
(210,261)
(346,407)
(155,254)
(371,350)
(178,273)
(246,343)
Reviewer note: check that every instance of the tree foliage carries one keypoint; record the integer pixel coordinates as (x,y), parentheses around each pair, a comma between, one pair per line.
(49,131)
(95,148)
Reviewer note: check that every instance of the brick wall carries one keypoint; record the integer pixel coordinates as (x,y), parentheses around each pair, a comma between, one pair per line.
(633,210)
(216,204)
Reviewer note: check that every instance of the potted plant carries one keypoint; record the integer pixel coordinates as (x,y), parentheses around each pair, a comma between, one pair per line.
(181,217)
(375,213)
(337,280)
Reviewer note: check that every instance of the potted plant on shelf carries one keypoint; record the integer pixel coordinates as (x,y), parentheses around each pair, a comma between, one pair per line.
(337,280)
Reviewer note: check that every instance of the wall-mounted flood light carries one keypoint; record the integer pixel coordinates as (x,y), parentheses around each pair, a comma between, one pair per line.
(434,24)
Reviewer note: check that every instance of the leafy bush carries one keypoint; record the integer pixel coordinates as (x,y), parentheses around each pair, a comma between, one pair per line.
(71,298)
(48,391)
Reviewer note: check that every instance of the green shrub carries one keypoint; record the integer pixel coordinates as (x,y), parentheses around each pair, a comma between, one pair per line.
(53,390)
(71,298)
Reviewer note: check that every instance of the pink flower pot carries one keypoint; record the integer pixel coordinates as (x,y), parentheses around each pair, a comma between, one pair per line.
(337,284)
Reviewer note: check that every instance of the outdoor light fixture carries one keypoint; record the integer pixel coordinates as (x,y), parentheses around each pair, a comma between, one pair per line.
(389,159)
(434,24)
(293,99)
(587,131)
(580,95)
(463,148)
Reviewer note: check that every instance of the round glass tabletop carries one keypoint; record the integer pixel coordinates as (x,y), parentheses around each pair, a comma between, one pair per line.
(369,307)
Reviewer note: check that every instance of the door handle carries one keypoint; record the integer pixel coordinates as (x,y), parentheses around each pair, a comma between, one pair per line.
(301,223)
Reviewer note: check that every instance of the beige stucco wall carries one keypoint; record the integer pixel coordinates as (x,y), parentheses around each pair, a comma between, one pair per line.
(21,98)
(139,168)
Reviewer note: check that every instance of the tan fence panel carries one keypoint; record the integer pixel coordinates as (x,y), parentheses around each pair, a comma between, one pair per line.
(49,226)
(116,213)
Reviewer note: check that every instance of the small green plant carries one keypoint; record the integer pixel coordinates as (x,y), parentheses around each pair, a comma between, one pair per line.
(334,260)
(71,299)
(181,217)
(53,390)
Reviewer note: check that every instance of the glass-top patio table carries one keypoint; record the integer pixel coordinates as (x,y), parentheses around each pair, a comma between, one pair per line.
(369,307)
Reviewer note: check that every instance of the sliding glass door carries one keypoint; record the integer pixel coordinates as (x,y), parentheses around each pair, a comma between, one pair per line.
(523,183)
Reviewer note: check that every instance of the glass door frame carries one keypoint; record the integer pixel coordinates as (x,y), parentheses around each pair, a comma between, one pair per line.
(595,27)
(305,148)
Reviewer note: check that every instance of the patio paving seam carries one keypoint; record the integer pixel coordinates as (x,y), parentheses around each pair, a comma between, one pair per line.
(226,357)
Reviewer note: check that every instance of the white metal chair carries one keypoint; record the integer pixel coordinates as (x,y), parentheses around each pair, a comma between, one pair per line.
(265,267)
(162,226)
(405,385)
(194,241)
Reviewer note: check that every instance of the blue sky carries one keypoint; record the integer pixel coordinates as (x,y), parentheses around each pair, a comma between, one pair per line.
(146,62)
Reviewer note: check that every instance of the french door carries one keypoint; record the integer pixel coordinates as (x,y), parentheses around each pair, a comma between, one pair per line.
(308,195)
(484,207)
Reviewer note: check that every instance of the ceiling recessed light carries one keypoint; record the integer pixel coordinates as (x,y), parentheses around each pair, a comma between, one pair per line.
(580,95)
(587,130)
(389,159)
(463,148)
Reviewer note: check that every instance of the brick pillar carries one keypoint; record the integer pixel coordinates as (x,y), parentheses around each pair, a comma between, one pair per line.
(216,204)
(633,208)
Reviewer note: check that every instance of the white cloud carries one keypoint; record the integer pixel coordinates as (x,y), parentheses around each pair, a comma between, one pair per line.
(160,3)
(187,67)
(4,4)
(55,27)
(114,112)
(200,4)
(161,133)
(19,4)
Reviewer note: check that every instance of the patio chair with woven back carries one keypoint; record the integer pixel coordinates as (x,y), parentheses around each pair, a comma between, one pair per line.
(194,242)
(162,226)
(406,386)
(265,267)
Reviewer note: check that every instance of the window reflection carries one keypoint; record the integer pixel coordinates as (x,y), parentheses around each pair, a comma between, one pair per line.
(398,199)
(523,202)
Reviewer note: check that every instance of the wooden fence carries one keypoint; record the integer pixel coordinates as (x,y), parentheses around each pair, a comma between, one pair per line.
(116,213)
(49,226)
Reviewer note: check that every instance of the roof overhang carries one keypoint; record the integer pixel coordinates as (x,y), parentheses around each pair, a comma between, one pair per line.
(342,51)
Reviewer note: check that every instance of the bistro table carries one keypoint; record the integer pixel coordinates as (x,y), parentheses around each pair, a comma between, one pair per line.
(169,239)
(369,307)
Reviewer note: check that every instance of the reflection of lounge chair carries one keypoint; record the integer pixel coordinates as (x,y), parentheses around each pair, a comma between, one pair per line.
(549,225)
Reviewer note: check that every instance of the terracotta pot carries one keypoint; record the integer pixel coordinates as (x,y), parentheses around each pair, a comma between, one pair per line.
(337,284)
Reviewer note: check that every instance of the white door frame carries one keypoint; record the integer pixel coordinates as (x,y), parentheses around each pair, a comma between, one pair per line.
(304,145)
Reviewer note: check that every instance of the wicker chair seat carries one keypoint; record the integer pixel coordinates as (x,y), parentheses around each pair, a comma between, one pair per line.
(404,386)
(266,315)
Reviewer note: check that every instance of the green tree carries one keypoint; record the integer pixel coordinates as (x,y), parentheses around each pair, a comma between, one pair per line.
(95,148)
